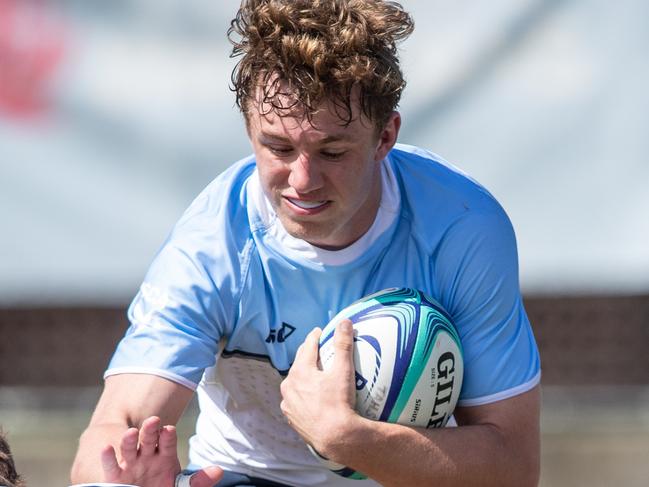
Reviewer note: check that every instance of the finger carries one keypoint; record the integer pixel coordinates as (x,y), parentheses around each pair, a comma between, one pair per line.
(109,465)
(149,435)
(307,353)
(206,477)
(168,445)
(343,348)
(128,445)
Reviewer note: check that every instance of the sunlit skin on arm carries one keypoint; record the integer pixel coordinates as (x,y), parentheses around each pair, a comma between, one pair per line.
(495,444)
(131,437)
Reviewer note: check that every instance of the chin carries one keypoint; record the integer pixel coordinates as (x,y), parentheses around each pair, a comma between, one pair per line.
(315,234)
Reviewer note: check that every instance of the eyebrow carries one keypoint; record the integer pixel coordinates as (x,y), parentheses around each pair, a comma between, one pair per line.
(337,138)
(279,138)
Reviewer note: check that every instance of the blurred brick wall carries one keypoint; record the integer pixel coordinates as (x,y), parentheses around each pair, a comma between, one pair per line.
(57,346)
(592,340)
(583,340)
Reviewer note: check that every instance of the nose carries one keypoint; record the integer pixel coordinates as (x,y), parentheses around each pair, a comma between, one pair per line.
(305,175)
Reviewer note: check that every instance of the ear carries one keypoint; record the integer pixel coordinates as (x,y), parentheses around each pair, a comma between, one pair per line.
(388,136)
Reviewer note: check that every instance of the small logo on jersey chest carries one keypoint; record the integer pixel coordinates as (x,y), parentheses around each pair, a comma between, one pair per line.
(280,335)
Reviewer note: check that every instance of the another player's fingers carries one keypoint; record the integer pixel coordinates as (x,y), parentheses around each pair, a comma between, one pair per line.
(168,444)
(128,445)
(111,468)
(207,477)
(308,352)
(149,436)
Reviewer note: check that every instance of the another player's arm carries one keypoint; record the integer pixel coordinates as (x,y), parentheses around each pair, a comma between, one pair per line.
(495,444)
(127,401)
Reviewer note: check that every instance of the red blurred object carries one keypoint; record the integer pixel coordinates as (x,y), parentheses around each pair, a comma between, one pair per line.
(31,48)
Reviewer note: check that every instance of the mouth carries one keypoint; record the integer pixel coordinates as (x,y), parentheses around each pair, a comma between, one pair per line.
(307,206)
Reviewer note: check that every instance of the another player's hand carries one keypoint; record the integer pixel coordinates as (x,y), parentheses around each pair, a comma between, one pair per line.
(319,404)
(148,457)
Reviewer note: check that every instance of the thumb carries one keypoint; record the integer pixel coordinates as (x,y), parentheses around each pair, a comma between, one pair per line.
(206,477)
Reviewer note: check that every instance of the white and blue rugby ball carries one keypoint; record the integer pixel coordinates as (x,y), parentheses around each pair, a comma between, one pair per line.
(408,360)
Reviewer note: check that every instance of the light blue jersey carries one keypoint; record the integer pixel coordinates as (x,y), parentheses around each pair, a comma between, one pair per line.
(231,296)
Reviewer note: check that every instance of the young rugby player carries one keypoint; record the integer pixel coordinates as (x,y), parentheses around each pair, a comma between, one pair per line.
(329,208)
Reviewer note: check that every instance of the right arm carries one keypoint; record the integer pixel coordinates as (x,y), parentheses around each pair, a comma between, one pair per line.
(124,441)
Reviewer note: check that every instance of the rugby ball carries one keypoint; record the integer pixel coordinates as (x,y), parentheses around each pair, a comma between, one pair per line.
(408,361)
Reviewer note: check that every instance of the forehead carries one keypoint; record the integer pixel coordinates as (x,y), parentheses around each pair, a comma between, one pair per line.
(283,113)
(324,126)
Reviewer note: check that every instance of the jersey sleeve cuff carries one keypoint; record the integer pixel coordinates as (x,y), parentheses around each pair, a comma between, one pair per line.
(165,374)
(506,394)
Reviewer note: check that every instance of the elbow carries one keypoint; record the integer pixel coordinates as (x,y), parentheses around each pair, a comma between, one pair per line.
(526,472)
(532,473)
(528,479)
(77,467)
(80,465)
(76,472)
(520,476)
(522,467)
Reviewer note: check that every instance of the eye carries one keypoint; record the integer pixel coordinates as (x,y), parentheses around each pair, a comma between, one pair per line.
(280,150)
(332,155)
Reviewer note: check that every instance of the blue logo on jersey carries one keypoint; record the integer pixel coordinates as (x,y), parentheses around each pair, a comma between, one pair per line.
(280,337)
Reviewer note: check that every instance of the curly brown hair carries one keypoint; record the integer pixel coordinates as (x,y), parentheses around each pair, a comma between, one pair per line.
(309,51)
(8,475)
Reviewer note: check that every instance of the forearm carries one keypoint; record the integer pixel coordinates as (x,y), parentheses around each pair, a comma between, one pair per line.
(87,463)
(395,455)
(128,401)
(496,443)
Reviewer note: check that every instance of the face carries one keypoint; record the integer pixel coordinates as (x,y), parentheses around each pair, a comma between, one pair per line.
(322,178)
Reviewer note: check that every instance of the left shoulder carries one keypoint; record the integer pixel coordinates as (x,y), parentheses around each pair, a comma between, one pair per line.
(434,190)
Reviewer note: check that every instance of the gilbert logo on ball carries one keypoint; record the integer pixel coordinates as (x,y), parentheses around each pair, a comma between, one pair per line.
(408,360)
